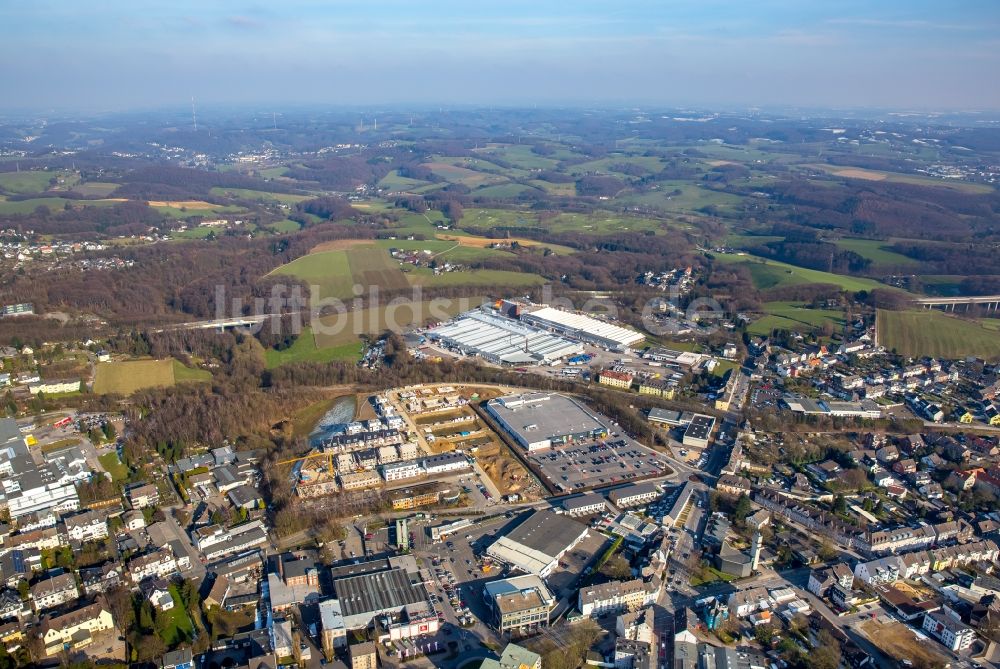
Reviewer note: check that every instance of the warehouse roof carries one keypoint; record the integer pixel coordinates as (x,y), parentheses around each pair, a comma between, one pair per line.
(379,591)
(587,326)
(507,340)
(538,541)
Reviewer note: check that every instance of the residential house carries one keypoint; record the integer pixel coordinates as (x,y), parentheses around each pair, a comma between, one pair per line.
(615,379)
(75,629)
(54,591)
(86,526)
(953,634)
(143,495)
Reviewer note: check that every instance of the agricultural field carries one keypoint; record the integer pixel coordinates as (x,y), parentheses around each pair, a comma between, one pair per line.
(485,278)
(503,191)
(484,242)
(125,378)
(305,350)
(683,197)
(896,177)
(52,203)
(95,188)
(35,181)
(329,270)
(790,316)
(876,251)
(522,156)
(648,164)
(394,182)
(259,195)
(463,175)
(337,267)
(272,172)
(186,208)
(338,330)
(933,333)
(772,274)
(285,226)
(600,222)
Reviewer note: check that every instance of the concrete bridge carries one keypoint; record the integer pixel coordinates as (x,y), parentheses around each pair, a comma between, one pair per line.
(988,302)
(221,324)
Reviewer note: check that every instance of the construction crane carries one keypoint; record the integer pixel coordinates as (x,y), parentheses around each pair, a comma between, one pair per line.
(319,454)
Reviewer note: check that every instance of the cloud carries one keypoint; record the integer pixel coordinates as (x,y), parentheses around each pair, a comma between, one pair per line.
(908,24)
(244,22)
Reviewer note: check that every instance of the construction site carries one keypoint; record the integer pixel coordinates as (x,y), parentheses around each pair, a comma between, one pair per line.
(417,434)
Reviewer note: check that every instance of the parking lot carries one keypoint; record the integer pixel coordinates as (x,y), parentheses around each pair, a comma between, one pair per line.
(462,557)
(593,464)
(765,396)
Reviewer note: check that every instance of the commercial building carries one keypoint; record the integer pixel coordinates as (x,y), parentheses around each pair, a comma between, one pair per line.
(585,505)
(536,545)
(698,433)
(502,341)
(582,328)
(669,418)
(636,494)
(520,603)
(617,596)
(27,488)
(806,405)
(541,420)
(292,581)
(391,590)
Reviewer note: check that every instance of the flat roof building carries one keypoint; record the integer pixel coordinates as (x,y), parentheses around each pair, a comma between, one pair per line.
(519,603)
(698,433)
(585,505)
(582,328)
(536,545)
(541,420)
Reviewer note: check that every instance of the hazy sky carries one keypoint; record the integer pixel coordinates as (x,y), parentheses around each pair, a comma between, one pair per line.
(119,54)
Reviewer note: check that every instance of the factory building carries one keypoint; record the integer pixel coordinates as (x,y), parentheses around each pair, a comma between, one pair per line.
(502,341)
(582,328)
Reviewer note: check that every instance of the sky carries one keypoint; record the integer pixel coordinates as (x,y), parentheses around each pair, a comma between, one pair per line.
(110,55)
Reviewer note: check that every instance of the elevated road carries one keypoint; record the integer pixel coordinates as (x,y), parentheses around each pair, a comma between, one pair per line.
(990,302)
